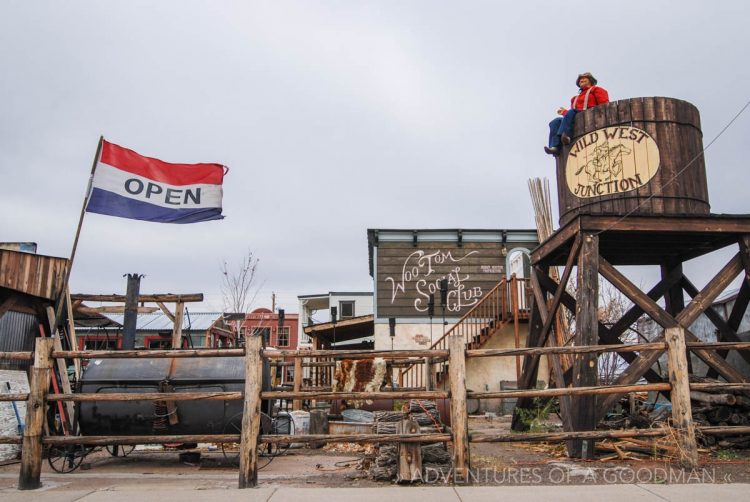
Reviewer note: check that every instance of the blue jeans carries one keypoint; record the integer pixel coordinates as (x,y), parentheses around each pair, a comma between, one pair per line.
(561,125)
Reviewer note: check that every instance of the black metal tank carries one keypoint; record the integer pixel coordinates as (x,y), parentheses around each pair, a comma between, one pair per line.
(199,374)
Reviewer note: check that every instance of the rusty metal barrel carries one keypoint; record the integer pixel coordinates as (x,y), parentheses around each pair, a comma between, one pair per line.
(639,156)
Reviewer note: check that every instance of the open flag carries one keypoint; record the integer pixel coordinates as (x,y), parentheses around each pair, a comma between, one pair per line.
(130,185)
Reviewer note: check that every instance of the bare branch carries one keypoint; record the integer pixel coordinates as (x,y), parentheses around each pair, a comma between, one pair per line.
(237,284)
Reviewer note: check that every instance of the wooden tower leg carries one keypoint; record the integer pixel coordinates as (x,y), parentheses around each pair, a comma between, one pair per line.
(674,299)
(530,369)
(585,367)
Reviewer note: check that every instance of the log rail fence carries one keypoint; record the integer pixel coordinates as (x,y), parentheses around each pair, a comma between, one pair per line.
(33,438)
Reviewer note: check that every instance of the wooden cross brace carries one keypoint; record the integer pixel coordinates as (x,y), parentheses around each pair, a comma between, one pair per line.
(640,365)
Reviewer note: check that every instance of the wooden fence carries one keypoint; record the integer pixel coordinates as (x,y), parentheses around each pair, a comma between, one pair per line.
(33,437)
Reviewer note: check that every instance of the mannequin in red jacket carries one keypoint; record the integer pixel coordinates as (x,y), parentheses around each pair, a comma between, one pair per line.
(561,128)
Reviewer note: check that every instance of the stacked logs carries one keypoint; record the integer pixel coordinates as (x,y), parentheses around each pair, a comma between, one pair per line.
(435,457)
(722,408)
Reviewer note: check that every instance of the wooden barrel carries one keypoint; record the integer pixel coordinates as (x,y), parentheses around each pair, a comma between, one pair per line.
(635,156)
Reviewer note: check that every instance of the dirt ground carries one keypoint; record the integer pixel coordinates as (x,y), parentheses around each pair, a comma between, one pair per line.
(345,465)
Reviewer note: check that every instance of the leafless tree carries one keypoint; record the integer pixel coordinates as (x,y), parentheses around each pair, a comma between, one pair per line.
(238,289)
(612,307)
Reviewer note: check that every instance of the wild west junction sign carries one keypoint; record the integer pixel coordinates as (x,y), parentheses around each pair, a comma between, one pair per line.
(611,160)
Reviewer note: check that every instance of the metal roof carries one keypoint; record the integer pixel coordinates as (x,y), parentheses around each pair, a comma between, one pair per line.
(158,321)
(17,333)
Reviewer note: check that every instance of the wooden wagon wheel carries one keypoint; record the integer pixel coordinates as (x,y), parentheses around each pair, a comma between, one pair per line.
(231,451)
(120,450)
(66,458)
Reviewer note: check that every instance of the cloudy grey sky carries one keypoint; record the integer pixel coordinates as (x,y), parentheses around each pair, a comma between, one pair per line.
(333,116)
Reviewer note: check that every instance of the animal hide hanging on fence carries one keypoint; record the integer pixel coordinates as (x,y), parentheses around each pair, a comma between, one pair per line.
(359,375)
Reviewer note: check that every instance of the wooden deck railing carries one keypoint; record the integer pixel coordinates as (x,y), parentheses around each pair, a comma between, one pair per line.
(507,302)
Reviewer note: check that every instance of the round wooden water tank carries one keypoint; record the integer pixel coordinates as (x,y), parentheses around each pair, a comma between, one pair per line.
(635,156)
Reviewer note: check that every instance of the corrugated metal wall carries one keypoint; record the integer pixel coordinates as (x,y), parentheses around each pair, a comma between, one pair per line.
(17,334)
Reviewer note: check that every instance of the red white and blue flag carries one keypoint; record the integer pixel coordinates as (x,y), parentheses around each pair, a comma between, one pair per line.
(130,185)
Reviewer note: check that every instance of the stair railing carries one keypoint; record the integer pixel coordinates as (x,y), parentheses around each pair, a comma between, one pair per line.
(495,309)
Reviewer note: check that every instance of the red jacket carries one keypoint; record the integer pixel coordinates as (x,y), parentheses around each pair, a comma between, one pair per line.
(589,98)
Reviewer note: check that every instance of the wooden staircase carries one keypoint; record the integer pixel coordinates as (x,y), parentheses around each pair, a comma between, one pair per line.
(506,303)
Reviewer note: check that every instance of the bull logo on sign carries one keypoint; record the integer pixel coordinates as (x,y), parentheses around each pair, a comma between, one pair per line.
(606,164)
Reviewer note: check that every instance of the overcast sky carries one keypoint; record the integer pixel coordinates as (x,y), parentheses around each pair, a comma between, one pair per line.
(333,117)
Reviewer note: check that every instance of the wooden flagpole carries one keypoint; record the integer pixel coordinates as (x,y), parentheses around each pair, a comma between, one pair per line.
(68,269)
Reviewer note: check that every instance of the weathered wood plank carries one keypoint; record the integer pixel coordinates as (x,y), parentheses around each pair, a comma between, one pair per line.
(574,251)
(179,314)
(714,224)
(164,298)
(297,403)
(31,452)
(459,414)
(566,436)
(250,431)
(585,367)
(598,390)
(574,349)
(358,354)
(235,438)
(147,396)
(409,454)
(166,311)
(147,354)
(682,415)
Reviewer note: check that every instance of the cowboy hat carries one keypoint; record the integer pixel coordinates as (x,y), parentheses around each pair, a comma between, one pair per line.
(587,75)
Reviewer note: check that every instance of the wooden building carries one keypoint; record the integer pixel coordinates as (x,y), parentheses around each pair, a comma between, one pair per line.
(486,298)
(277,333)
(30,286)
(353,318)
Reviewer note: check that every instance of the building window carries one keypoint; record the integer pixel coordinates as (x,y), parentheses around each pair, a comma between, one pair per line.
(346,310)
(158,342)
(264,332)
(283,336)
(98,343)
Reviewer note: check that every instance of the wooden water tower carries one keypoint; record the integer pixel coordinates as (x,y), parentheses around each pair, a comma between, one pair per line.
(632,190)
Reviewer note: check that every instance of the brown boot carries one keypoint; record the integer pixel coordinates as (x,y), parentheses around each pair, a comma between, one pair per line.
(552,150)
(565,139)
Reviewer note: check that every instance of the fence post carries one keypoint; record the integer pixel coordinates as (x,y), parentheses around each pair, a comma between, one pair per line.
(31,453)
(428,385)
(297,403)
(251,412)
(459,417)
(682,414)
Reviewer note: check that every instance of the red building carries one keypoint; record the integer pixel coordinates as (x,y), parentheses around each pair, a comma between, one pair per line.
(265,322)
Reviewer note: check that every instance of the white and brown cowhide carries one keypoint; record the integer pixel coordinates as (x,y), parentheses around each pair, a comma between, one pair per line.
(359,375)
